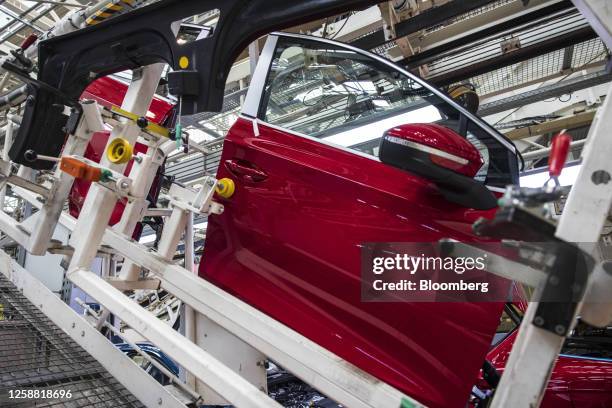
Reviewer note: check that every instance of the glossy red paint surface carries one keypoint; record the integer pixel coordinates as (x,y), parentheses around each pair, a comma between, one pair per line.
(576,382)
(289,244)
(444,139)
(108,92)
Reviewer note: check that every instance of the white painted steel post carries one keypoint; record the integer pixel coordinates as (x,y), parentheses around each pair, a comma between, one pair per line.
(133,211)
(238,391)
(8,141)
(190,320)
(49,214)
(100,200)
(535,351)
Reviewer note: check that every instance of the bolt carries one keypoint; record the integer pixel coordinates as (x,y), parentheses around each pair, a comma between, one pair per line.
(160,401)
(73,325)
(142,122)
(554,280)
(83,333)
(538,321)
(211,183)
(125,185)
(600,177)
(560,329)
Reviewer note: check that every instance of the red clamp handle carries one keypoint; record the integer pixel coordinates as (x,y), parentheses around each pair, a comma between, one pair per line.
(558,154)
(30,39)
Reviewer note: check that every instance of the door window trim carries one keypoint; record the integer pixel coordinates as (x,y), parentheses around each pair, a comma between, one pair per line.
(314,139)
(257,121)
(260,77)
(251,109)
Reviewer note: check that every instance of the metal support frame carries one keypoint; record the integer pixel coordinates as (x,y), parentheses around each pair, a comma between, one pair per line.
(534,12)
(428,18)
(600,17)
(545,92)
(231,321)
(46,219)
(534,352)
(144,387)
(313,364)
(536,349)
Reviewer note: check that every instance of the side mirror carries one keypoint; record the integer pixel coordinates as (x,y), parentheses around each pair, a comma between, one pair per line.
(441,156)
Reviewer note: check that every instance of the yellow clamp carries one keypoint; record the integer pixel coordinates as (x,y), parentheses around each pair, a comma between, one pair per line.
(119,151)
(225,187)
(151,126)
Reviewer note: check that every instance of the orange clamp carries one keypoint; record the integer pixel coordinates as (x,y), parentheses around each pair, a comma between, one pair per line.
(79,169)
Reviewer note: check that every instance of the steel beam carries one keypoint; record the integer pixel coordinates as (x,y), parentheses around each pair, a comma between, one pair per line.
(568,57)
(599,15)
(569,122)
(222,379)
(495,27)
(545,92)
(431,17)
(538,154)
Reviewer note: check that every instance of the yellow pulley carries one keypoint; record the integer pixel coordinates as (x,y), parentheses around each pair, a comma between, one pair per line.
(225,187)
(119,151)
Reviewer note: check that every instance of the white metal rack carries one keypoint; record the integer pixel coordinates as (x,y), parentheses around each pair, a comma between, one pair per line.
(526,374)
(315,365)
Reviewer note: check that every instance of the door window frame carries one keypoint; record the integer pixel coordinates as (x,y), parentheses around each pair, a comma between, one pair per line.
(252,108)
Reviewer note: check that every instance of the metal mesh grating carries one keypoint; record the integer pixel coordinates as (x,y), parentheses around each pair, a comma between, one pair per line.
(512,75)
(541,67)
(37,354)
(589,52)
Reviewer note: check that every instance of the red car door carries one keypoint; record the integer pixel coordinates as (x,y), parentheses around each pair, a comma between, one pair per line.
(310,192)
(582,376)
(586,362)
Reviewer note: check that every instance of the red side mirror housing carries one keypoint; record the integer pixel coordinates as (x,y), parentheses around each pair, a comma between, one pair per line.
(432,145)
(441,156)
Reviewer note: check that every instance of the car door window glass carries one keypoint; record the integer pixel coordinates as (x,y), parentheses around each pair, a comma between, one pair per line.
(350,99)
